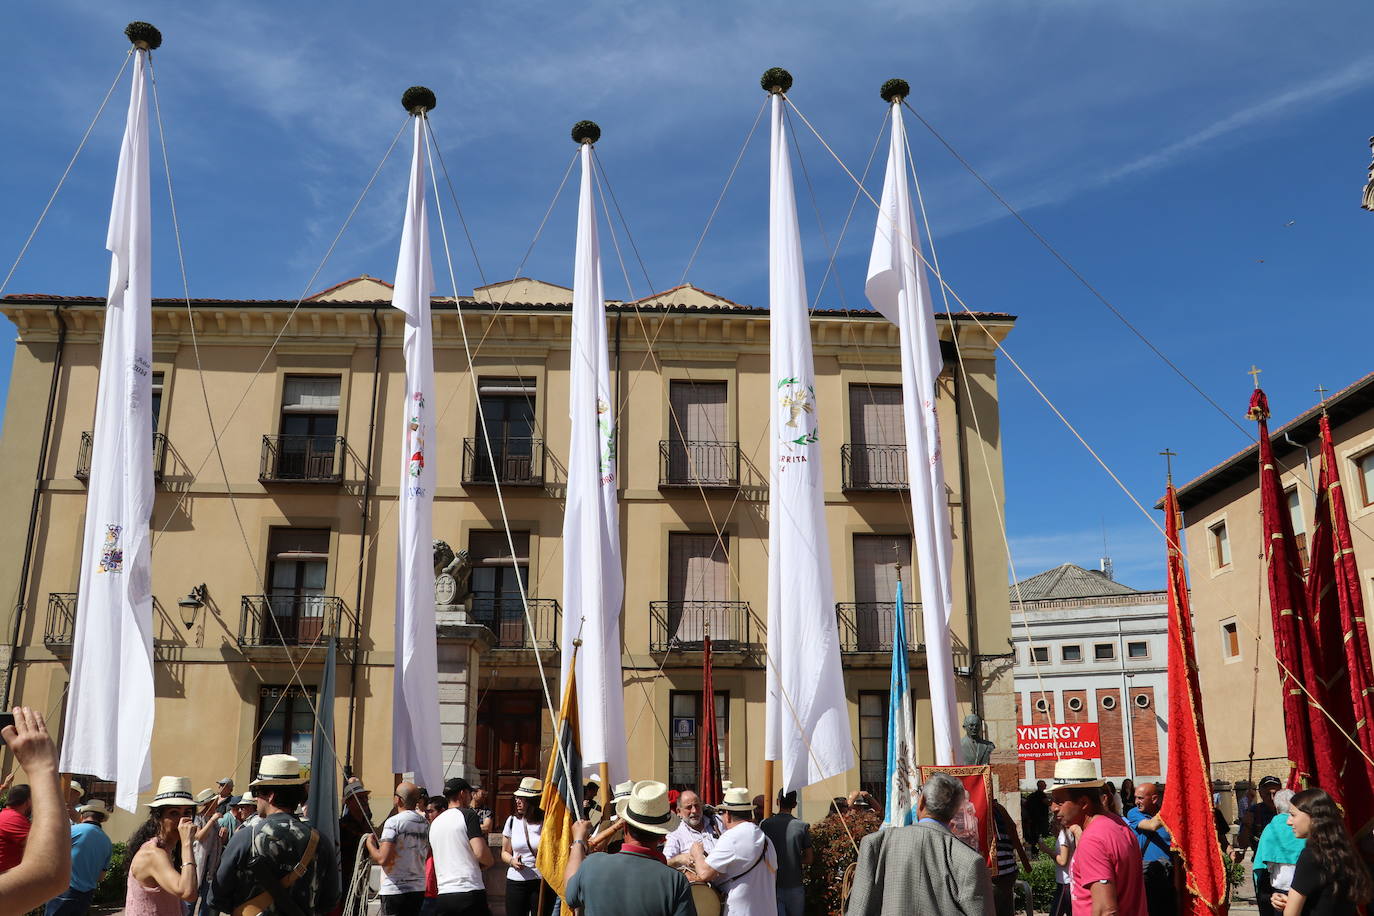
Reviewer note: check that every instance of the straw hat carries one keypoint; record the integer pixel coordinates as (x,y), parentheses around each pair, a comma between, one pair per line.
(172,790)
(279,770)
(529,788)
(246,799)
(1077,771)
(353,787)
(94,806)
(204,795)
(646,807)
(623,790)
(736,799)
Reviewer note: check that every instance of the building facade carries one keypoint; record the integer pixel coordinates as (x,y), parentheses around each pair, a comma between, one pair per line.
(1237,668)
(1089,649)
(290,524)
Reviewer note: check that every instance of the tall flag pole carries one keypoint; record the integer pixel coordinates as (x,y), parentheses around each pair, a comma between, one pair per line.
(593,583)
(1306,729)
(562,794)
(1187,810)
(899,289)
(415,691)
(902,775)
(323,809)
(708,781)
(807,715)
(108,729)
(1337,606)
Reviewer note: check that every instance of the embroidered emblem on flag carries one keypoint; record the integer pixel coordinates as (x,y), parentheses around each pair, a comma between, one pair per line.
(111,553)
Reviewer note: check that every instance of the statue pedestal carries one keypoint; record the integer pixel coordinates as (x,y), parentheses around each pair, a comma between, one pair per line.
(461,646)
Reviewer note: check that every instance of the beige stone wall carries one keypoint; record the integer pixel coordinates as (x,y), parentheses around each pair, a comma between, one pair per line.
(207,685)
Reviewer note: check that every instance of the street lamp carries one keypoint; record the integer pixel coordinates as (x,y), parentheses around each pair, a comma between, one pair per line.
(194,601)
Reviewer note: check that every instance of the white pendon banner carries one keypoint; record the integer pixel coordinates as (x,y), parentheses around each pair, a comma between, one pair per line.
(415,695)
(807,720)
(593,583)
(898,288)
(108,730)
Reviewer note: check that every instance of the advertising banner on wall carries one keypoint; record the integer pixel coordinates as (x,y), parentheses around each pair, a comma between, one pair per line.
(1057,741)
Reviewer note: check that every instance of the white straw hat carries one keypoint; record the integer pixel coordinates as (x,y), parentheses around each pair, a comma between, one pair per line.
(623,790)
(736,799)
(279,770)
(646,807)
(94,806)
(530,787)
(172,790)
(1076,771)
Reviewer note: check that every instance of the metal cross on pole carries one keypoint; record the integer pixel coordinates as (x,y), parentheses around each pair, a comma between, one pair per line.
(1255,373)
(1169,457)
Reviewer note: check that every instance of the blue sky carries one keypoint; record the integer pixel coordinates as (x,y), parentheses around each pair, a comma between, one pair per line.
(1200,162)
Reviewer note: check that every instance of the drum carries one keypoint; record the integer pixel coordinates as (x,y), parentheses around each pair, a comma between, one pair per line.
(707,900)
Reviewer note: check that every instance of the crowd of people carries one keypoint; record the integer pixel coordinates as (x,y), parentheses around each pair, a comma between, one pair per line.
(1302,858)
(655,852)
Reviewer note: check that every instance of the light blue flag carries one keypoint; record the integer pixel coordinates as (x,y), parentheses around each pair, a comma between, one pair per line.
(900,809)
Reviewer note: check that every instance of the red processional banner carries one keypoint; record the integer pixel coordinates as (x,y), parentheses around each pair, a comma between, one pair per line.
(974,824)
(1058,741)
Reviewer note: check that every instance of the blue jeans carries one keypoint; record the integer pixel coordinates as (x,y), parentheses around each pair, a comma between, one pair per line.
(70,903)
(791,901)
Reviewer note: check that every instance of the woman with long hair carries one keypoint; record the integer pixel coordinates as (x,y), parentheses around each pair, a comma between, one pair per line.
(162,872)
(1127,794)
(1330,879)
(519,847)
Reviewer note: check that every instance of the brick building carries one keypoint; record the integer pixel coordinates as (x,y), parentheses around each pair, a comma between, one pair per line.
(1089,649)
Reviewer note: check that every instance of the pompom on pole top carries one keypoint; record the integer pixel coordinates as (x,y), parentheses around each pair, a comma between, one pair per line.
(418,100)
(776,80)
(144,35)
(586,132)
(894,90)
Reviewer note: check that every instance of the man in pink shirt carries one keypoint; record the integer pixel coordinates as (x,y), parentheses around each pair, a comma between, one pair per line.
(1105,873)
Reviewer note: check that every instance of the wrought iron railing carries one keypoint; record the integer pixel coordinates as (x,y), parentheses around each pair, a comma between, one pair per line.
(680,626)
(292,620)
(698,464)
(868,626)
(60,624)
(873,467)
(504,615)
(83,456)
(515,462)
(302,459)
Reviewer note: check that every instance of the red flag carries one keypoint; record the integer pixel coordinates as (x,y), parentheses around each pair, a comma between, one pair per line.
(1342,643)
(1187,809)
(708,785)
(1306,729)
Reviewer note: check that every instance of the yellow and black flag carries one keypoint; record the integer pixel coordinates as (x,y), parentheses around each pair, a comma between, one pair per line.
(562,798)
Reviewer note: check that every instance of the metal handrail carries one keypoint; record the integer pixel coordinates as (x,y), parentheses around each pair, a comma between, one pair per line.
(83,456)
(679,626)
(868,626)
(689,463)
(504,615)
(290,619)
(302,459)
(873,467)
(511,461)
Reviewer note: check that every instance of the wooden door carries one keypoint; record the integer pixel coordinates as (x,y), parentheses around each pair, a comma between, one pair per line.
(509,729)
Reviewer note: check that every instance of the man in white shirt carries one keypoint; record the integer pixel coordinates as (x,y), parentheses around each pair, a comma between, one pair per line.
(460,853)
(402,852)
(696,827)
(744,864)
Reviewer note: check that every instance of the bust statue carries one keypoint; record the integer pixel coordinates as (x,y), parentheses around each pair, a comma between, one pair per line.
(976,749)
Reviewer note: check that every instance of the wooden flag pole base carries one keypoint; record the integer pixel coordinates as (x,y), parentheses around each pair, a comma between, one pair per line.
(768,788)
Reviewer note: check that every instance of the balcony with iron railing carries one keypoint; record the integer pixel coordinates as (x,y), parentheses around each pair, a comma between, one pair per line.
(59,625)
(681,626)
(83,456)
(517,462)
(710,465)
(292,621)
(873,467)
(868,626)
(504,615)
(302,459)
